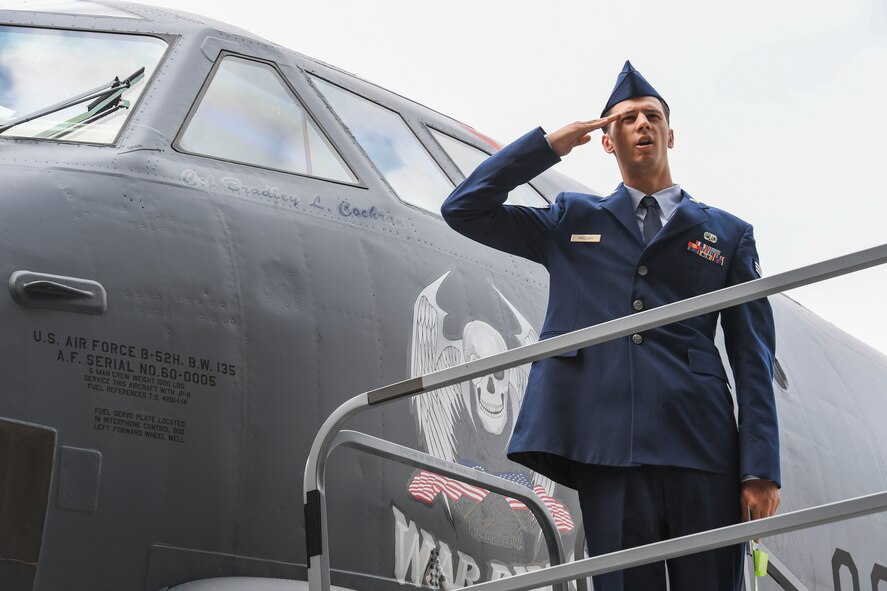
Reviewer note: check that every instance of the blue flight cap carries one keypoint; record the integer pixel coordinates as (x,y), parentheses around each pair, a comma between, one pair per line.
(629,84)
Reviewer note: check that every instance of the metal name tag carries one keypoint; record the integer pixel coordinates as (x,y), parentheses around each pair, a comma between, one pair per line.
(585,238)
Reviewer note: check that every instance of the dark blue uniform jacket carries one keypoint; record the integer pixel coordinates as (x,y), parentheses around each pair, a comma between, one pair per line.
(661,398)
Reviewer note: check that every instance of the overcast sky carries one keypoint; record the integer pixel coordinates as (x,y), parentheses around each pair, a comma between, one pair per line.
(779,108)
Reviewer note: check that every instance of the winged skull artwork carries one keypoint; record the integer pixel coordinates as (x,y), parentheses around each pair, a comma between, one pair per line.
(470,423)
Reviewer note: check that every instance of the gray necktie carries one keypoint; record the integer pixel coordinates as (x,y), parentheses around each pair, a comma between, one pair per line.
(652,223)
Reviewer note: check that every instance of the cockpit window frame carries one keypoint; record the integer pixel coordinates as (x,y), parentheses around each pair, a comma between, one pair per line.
(192,110)
(311,74)
(170,41)
(448,132)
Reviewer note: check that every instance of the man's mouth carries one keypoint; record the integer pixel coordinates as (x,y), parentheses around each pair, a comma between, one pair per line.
(645,141)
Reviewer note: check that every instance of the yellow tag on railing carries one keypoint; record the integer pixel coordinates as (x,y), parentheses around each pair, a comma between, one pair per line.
(761,559)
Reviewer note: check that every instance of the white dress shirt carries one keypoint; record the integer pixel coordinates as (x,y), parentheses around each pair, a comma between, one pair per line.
(668,200)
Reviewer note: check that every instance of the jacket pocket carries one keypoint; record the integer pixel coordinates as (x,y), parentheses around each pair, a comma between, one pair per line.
(553,333)
(706,362)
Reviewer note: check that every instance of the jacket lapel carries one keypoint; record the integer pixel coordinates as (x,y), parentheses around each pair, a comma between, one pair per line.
(688,214)
(619,206)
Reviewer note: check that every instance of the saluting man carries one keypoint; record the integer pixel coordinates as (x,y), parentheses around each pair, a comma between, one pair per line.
(643,426)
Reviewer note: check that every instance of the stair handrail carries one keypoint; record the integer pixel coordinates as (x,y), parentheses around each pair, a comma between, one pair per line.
(417,459)
(693,543)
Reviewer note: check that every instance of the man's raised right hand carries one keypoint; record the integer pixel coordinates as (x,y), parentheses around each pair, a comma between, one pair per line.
(575,134)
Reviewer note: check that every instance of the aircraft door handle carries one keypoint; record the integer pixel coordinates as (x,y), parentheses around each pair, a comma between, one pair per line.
(55,292)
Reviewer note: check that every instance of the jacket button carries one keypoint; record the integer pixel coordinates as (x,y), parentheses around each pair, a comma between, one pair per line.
(637,339)
(642,270)
(638,305)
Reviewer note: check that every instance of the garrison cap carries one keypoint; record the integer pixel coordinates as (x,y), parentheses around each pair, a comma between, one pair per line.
(630,84)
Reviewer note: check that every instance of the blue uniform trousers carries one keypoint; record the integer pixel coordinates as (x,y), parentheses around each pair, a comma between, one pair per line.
(627,507)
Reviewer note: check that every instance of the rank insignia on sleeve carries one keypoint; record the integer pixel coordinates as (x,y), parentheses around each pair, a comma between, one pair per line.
(758,269)
(707,252)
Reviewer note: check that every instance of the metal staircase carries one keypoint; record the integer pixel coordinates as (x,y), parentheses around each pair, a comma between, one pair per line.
(559,573)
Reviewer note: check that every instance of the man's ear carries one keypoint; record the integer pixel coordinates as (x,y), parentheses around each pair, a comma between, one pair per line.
(671,138)
(607,144)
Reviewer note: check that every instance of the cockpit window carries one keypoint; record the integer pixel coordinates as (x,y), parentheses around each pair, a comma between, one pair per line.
(72,85)
(78,7)
(249,115)
(467,158)
(391,146)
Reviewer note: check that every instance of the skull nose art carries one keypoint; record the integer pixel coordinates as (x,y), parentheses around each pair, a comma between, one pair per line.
(490,387)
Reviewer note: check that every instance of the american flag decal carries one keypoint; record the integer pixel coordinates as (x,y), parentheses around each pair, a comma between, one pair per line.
(426,486)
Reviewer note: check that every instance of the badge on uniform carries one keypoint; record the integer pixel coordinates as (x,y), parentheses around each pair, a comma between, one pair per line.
(585,238)
(710,237)
(707,252)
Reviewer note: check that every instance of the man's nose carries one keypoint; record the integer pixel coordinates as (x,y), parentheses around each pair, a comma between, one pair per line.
(642,121)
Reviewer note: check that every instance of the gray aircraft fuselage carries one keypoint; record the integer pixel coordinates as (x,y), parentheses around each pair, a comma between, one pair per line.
(159,436)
